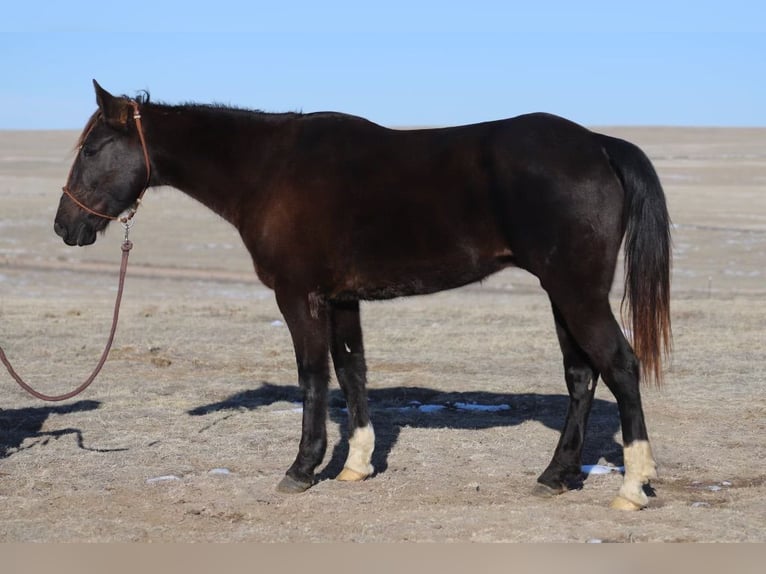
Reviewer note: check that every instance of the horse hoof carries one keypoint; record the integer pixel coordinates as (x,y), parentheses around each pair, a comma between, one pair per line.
(544,491)
(348,475)
(288,485)
(620,503)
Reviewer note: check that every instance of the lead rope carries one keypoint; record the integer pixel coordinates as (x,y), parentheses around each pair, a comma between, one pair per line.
(127,245)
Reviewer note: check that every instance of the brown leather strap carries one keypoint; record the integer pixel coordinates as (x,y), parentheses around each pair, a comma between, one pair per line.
(140,129)
(84,207)
(127,245)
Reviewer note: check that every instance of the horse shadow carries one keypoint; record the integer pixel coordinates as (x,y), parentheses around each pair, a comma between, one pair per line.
(395,408)
(18,425)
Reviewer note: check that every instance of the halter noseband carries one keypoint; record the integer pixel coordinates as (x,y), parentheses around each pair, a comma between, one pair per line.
(134,208)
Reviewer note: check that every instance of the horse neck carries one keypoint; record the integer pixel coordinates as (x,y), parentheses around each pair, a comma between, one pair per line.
(215,155)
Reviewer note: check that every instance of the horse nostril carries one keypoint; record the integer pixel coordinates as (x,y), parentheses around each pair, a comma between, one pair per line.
(59,229)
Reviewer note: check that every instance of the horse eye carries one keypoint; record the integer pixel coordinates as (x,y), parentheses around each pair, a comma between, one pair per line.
(88,151)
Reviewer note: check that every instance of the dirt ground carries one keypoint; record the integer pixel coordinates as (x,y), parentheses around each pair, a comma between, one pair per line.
(195,417)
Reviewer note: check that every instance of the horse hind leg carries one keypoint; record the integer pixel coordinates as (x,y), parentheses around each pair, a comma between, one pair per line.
(347,350)
(640,468)
(598,334)
(565,466)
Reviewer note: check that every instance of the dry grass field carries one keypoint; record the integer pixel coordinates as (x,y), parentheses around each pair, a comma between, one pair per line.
(194,419)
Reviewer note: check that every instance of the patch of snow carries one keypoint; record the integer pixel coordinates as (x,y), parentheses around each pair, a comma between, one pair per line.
(164,478)
(431,408)
(601,469)
(481,408)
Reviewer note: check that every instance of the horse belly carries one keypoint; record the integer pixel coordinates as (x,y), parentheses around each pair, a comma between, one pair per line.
(388,280)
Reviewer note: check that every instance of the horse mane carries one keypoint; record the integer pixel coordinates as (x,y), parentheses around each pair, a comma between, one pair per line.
(144,98)
(235,110)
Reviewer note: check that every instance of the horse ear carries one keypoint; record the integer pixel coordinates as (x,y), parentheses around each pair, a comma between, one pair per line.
(115,110)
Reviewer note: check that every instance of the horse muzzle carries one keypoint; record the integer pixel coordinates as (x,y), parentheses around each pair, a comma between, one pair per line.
(82,234)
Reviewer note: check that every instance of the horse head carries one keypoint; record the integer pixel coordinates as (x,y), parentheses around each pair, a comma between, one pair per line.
(109,174)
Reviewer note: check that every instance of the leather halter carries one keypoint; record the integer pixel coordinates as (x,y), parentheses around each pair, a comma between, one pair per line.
(134,208)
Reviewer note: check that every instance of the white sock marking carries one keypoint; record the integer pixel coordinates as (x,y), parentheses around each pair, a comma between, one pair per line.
(360,447)
(639,468)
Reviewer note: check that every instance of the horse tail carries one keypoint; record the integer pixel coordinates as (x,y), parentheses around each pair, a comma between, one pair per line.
(647,256)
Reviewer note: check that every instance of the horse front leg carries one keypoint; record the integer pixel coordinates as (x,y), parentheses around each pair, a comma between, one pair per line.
(307,318)
(347,351)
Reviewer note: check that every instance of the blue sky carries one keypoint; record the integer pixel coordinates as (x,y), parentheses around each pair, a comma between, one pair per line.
(397,63)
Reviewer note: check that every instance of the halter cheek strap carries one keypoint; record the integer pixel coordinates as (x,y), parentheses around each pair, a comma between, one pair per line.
(134,208)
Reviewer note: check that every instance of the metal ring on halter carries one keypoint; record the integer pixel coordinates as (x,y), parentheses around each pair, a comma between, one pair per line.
(127,223)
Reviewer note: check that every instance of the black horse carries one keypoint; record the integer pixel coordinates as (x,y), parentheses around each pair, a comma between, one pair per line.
(335,209)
